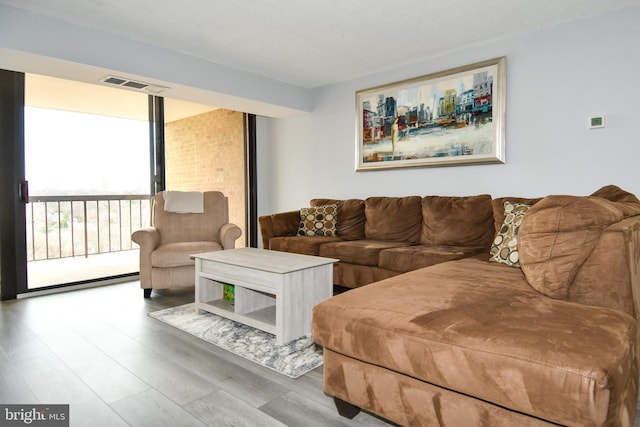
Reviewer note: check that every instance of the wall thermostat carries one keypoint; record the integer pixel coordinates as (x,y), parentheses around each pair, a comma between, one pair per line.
(596,122)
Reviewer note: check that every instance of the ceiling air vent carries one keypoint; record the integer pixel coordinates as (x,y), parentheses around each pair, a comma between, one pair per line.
(132,84)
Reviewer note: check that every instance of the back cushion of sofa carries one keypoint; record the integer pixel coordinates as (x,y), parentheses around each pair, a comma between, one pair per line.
(396,219)
(606,278)
(457,221)
(556,237)
(350,225)
(627,202)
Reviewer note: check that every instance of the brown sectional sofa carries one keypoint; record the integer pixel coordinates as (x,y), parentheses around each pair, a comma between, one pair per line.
(470,342)
(382,237)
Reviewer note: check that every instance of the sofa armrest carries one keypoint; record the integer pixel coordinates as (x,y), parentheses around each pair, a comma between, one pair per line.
(278,225)
(148,239)
(229,233)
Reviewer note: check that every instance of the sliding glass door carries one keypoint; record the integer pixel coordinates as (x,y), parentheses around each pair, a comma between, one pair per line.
(93,161)
(86,157)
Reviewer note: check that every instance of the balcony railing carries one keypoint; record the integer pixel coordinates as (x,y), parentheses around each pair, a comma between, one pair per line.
(70,226)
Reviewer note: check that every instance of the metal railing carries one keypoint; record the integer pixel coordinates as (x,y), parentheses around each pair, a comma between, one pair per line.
(69,226)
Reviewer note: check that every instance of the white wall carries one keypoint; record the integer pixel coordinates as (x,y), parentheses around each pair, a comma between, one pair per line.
(556,79)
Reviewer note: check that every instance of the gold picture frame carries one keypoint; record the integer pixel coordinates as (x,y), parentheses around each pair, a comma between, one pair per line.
(452,117)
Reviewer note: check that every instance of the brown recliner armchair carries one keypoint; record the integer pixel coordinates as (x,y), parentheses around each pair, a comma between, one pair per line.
(166,246)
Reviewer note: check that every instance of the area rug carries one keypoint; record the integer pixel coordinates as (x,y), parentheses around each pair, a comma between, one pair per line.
(292,359)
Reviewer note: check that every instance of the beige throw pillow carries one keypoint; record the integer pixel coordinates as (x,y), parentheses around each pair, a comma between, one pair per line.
(504,248)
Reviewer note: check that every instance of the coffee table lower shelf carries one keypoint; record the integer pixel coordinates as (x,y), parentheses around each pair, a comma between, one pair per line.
(263,319)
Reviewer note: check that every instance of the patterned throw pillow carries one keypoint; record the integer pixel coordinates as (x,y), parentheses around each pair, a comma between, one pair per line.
(504,248)
(318,221)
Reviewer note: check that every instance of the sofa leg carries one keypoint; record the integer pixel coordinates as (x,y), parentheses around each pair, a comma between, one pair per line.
(346,409)
(147,293)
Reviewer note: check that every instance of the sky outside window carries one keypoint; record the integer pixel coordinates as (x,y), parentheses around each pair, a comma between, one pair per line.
(70,153)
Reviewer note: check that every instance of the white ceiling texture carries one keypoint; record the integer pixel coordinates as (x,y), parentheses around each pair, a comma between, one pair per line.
(312,43)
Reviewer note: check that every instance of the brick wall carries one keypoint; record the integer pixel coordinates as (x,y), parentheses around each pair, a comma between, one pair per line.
(206,152)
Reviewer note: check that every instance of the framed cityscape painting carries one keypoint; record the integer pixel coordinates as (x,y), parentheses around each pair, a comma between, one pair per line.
(453,117)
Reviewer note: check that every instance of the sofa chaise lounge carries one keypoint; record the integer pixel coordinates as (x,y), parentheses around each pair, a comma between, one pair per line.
(547,337)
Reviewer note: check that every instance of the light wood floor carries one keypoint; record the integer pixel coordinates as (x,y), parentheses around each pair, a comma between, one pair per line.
(97,350)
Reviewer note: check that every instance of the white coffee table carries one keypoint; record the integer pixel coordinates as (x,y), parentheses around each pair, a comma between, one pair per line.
(274,291)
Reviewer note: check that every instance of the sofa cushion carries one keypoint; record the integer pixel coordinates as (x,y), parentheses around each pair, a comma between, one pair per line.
(395,219)
(558,235)
(504,248)
(300,244)
(362,252)
(318,221)
(355,275)
(410,258)
(628,203)
(457,221)
(179,254)
(350,214)
(284,223)
(478,328)
(607,277)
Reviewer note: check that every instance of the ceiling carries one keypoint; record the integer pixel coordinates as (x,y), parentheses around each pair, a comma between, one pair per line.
(312,43)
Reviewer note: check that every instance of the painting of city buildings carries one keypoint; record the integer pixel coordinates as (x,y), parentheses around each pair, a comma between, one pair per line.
(453,117)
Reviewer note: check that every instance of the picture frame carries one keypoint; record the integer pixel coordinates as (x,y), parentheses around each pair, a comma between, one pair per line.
(452,117)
